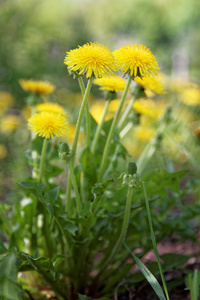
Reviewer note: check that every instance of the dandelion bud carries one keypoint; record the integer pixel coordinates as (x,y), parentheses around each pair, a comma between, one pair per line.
(64,152)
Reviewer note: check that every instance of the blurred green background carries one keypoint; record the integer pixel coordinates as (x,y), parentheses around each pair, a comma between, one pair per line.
(35,35)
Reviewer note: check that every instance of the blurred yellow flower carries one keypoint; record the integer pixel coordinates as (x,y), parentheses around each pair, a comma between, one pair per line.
(136,60)
(178,84)
(190,96)
(26,112)
(150,83)
(150,108)
(51,107)
(69,136)
(48,124)
(6,100)
(96,110)
(97,107)
(3,151)
(111,83)
(38,87)
(10,123)
(91,59)
(144,133)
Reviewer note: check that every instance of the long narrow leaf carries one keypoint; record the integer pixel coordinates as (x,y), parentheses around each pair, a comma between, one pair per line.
(148,275)
(196,285)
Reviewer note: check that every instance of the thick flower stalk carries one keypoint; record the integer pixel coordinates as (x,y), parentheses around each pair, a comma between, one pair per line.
(112,85)
(91,59)
(132,60)
(136,60)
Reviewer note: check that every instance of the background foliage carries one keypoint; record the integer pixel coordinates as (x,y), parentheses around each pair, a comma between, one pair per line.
(34,35)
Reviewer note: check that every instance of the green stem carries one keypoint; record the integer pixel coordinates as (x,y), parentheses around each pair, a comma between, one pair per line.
(75,141)
(125,114)
(46,233)
(81,84)
(42,160)
(73,180)
(88,126)
(125,130)
(45,228)
(122,233)
(154,241)
(99,126)
(112,128)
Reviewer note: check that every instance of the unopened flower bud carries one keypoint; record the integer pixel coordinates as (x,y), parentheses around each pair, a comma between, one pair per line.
(64,152)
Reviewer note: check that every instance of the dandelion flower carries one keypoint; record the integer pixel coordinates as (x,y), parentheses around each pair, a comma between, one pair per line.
(6,100)
(190,96)
(91,59)
(10,123)
(150,83)
(51,107)
(38,87)
(48,124)
(149,108)
(111,83)
(69,137)
(136,59)
(97,107)
(144,133)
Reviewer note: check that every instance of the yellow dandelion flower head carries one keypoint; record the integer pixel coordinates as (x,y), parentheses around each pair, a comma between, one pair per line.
(91,59)
(10,123)
(96,109)
(111,83)
(150,83)
(113,106)
(146,120)
(69,136)
(136,59)
(132,145)
(178,85)
(144,133)
(6,100)
(190,96)
(46,124)
(38,87)
(150,108)
(3,151)
(51,107)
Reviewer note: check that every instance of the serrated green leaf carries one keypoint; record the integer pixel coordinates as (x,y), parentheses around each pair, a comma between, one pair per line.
(71,227)
(99,188)
(33,187)
(3,249)
(8,278)
(51,196)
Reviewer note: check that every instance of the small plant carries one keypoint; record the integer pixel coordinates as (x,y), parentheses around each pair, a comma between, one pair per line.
(85,207)
(192,283)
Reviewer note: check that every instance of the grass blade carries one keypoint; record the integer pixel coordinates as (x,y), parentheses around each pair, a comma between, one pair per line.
(148,275)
